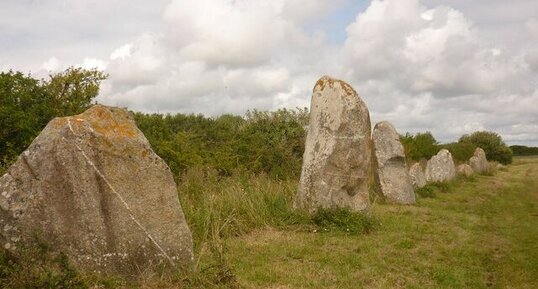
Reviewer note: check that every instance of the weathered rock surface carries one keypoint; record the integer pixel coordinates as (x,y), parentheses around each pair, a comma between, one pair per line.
(391,172)
(417,176)
(91,187)
(478,161)
(465,170)
(336,161)
(440,168)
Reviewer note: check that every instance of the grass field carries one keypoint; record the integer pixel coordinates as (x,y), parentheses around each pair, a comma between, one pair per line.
(480,232)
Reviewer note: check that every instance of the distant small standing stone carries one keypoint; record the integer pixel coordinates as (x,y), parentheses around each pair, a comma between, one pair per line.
(417,176)
(392,175)
(441,168)
(465,170)
(478,161)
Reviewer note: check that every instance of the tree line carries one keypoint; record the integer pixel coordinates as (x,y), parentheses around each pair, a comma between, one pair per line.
(520,150)
(257,142)
(423,146)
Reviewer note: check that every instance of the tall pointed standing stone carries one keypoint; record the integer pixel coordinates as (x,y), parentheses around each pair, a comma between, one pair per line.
(336,161)
(391,172)
(91,187)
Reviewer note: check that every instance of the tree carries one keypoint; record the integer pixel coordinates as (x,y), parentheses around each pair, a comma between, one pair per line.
(73,90)
(492,144)
(23,109)
(28,104)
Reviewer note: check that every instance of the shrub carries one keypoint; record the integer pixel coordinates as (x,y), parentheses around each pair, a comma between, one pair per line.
(261,142)
(28,104)
(461,151)
(427,191)
(492,144)
(419,146)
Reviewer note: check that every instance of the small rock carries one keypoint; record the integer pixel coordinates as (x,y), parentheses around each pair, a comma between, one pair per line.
(465,170)
(417,176)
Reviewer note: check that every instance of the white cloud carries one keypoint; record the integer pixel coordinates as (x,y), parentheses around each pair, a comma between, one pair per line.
(221,56)
(449,67)
(93,63)
(428,68)
(51,65)
(122,52)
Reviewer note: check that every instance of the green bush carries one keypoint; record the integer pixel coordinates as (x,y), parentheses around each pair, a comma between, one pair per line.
(261,142)
(427,191)
(419,146)
(461,151)
(492,144)
(28,104)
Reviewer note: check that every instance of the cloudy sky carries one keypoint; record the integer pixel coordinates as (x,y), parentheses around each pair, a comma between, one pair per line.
(449,67)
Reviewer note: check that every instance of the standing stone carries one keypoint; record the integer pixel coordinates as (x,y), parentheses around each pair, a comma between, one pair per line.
(440,168)
(391,172)
(417,176)
(464,170)
(336,161)
(90,186)
(478,161)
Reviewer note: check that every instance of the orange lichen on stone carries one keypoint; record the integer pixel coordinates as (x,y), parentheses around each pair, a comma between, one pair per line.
(58,122)
(109,122)
(327,80)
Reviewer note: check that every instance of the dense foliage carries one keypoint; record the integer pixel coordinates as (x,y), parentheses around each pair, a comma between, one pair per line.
(492,144)
(423,146)
(461,151)
(519,150)
(28,104)
(268,142)
(419,146)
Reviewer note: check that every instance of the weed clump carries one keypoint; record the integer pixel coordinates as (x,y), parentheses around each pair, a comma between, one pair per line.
(344,220)
(428,191)
(39,267)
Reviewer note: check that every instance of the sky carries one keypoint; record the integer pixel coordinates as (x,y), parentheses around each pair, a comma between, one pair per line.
(448,67)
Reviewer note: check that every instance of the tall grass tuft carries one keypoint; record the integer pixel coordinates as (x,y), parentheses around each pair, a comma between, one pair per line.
(218,207)
(344,220)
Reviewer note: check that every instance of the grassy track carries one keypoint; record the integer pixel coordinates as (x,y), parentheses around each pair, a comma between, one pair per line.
(483,233)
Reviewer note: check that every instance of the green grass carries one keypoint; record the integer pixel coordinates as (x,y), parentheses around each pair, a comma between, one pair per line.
(479,232)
